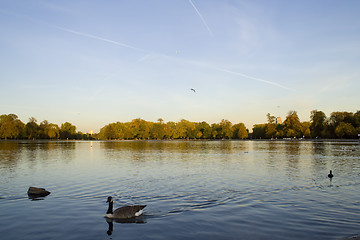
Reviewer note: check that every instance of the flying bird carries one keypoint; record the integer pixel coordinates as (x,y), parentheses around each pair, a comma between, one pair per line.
(192,90)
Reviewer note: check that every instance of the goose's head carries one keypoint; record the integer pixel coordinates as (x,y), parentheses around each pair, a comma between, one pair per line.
(109,199)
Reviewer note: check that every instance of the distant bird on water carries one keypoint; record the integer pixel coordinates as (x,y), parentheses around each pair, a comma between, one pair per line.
(125,212)
(330,175)
(192,89)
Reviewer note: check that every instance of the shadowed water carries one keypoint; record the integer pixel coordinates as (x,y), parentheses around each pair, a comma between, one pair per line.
(192,189)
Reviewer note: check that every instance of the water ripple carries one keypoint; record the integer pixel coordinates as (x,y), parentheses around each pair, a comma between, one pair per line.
(193,190)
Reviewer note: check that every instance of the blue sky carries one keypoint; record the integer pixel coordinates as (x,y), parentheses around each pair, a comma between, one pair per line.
(96,62)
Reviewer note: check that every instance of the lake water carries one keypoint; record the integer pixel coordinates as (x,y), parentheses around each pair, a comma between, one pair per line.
(192,189)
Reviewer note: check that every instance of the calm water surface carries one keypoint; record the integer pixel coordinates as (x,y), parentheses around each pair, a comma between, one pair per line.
(192,189)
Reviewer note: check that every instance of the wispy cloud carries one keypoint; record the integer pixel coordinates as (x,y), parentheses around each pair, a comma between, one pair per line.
(201,17)
(143,58)
(173,58)
(99,38)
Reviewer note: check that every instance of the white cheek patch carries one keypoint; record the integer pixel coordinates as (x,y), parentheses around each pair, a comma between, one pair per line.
(139,213)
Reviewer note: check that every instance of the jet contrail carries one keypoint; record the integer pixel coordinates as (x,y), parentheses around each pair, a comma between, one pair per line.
(201,17)
(99,38)
(253,78)
(146,56)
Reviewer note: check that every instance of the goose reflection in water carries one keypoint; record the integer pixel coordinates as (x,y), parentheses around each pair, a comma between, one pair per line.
(330,176)
(129,220)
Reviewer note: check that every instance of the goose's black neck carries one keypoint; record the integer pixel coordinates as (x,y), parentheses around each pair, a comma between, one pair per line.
(110,209)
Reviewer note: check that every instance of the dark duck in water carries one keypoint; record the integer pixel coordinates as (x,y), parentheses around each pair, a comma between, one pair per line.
(330,175)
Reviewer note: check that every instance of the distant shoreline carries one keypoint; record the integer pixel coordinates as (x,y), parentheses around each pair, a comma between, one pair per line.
(183,140)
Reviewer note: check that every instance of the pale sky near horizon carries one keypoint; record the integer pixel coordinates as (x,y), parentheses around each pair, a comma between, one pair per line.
(96,62)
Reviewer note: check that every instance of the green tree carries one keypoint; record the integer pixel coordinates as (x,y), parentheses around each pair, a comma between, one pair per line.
(32,129)
(259,131)
(126,128)
(357,119)
(215,130)
(106,132)
(180,129)
(225,129)
(160,120)
(293,125)
(157,130)
(203,130)
(240,131)
(67,131)
(43,129)
(169,130)
(53,131)
(10,126)
(345,130)
(318,123)
(191,130)
(120,131)
(305,129)
(140,129)
(280,131)
(270,130)
(338,117)
(49,130)
(271,119)
(357,122)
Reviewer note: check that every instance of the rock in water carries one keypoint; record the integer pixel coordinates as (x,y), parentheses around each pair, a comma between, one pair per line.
(37,192)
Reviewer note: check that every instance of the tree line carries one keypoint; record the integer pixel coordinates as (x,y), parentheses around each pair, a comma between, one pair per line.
(184,129)
(337,125)
(13,128)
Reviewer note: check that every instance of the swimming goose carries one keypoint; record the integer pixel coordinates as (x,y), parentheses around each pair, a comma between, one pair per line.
(330,175)
(35,192)
(124,212)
